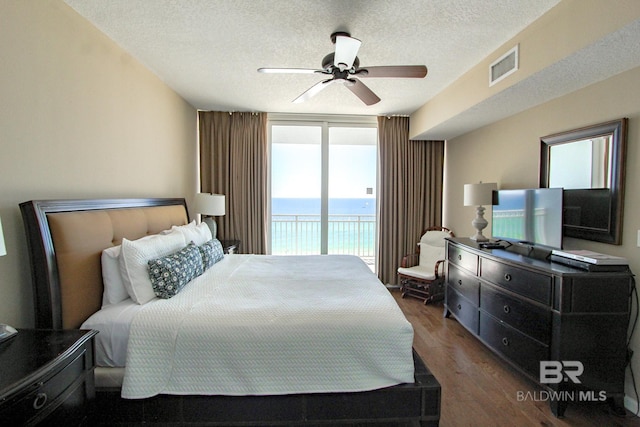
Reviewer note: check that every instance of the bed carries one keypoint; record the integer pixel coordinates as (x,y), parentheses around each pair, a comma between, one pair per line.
(66,239)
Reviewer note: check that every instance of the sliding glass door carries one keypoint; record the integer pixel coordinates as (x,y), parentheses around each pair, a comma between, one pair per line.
(352,196)
(323,189)
(296,190)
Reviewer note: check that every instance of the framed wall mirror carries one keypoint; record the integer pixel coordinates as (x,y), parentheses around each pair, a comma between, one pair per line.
(589,164)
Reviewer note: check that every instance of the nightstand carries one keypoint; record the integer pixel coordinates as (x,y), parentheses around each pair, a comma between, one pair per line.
(46,376)
(230,246)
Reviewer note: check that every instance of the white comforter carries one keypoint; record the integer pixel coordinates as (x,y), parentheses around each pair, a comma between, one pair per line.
(266,325)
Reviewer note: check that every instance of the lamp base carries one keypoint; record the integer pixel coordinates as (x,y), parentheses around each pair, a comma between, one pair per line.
(479,223)
(212,225)
(478,237)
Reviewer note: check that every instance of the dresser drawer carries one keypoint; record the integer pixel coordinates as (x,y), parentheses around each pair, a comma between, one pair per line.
(525,352)
(524,282)
(465,311)
(465,283)
(462,258)
(530,319)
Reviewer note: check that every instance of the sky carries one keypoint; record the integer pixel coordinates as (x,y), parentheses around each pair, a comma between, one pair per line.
(296,166)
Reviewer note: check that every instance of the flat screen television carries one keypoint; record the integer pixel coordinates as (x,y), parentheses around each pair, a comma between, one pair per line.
(529,216)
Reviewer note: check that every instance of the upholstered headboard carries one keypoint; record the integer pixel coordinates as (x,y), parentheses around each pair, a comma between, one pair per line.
(66,239)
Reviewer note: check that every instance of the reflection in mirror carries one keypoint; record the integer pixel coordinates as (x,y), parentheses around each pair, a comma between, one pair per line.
(589,164)
(581,164)
(587,208)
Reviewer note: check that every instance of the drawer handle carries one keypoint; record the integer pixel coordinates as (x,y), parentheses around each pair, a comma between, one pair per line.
(459,307)
(460,282)
(507,277)
(505,341)
(40,400)
(507,309)
(459,257)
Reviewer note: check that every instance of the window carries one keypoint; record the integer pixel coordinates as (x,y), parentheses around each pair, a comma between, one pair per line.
(323,188)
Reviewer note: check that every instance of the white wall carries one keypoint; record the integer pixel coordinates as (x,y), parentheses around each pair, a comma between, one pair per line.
(79,118)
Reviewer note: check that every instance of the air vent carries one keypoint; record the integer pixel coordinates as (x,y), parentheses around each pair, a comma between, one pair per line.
(504,66)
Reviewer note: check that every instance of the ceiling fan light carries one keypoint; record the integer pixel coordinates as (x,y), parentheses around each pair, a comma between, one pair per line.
(346,51)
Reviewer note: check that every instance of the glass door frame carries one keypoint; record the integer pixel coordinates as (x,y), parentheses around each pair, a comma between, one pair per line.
(325,122)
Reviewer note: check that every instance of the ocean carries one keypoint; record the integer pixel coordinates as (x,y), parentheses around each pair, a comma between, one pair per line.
(338,206)
(295,226)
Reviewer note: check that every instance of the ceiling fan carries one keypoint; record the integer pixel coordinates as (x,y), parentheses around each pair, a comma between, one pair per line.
(344,66)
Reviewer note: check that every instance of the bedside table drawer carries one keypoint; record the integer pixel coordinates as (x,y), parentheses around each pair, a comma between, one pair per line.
(42,398)
(46,377)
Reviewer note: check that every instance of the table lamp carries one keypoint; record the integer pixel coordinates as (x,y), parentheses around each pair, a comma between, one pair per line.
(209,205)
(478,195)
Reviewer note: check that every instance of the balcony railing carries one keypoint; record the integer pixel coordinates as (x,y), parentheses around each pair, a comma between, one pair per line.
(300,235)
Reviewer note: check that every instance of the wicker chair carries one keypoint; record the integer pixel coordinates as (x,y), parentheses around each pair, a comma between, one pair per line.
(421,274)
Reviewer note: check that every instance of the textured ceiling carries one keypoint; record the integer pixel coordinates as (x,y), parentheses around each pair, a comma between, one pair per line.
(613,54)
(208,50)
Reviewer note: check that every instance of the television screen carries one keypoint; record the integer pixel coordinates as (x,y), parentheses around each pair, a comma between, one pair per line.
(532,216)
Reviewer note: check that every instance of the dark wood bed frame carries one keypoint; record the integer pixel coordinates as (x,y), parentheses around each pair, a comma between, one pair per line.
(412,404)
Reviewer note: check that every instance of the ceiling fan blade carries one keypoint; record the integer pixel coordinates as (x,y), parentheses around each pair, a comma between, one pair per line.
(346,51)
(362,91)
(313,91)
(289,71)
(406,71)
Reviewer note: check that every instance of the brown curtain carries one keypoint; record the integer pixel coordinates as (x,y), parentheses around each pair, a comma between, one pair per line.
(410,197)
(233,162)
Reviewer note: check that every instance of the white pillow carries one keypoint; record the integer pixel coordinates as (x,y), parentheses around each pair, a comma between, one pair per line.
(198,234)
(178,227)
(133,262)
(114,289)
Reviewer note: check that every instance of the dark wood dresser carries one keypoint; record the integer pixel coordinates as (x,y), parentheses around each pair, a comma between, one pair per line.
(563,327)
(46,377)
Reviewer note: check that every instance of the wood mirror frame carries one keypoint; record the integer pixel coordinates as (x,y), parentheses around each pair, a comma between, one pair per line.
(609,227)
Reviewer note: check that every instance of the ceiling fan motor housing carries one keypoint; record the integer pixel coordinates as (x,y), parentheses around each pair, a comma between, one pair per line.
(327,62)
(335,35)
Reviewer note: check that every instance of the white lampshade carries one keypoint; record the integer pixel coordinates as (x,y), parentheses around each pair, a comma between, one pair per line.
(3,248)
(210,204)
(480,194)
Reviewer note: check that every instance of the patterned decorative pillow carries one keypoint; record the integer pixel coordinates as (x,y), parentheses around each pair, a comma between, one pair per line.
(171,273)
(211,252)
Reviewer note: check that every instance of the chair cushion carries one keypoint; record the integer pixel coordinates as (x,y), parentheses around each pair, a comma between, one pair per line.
(419,272)
(434,238)
(429,255)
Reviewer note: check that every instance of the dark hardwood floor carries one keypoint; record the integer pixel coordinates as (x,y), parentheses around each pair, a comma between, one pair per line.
(480,389)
